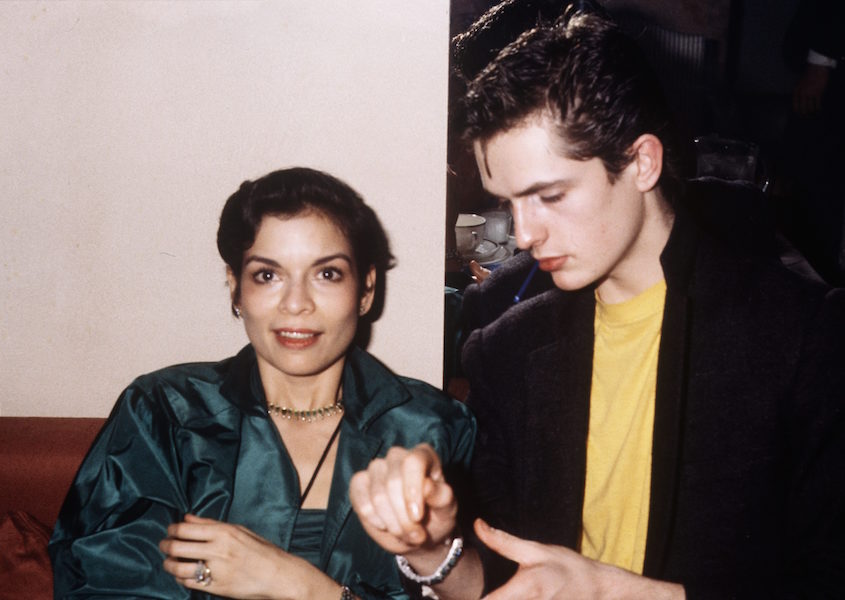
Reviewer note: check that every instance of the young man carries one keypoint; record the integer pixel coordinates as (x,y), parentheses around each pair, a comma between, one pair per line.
(668,422)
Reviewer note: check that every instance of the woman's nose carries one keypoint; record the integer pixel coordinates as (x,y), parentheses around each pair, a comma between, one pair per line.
(296,298)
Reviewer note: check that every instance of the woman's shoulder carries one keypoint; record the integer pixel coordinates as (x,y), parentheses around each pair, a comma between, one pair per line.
(183,374)
(189,389)
(404,411)
(382,390)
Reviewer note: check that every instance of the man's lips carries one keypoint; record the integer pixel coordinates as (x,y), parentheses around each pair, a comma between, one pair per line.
(552,263)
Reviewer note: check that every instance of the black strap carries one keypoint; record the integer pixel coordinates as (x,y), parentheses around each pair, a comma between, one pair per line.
(320,463)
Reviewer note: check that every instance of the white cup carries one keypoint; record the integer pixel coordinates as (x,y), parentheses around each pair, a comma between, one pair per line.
(469,232)
(498,225)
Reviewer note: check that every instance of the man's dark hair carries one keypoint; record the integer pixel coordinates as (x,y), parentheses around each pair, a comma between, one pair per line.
(591,78)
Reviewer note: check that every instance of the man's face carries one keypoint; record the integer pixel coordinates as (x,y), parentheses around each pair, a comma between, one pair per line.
(579,226)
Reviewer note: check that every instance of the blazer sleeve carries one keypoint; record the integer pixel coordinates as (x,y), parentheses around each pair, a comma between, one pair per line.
(125,494)
(816,501)
(493,488)
(812,534)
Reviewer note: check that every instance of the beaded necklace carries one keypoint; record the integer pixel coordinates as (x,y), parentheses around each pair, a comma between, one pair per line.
(308,416)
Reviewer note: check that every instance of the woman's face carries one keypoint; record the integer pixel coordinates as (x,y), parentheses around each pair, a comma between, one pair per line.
(299,296)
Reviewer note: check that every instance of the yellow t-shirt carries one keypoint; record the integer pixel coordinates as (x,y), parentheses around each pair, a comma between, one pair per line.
(616,499)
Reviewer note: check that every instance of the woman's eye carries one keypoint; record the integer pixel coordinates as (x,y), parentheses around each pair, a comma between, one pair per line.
(264,276)
(330,274)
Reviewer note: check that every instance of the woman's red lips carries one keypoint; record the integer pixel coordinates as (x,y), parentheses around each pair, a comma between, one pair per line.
(551,264)
(296,338)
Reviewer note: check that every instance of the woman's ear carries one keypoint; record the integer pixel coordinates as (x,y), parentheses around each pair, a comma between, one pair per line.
(648,156)
(232,282)
(368,293)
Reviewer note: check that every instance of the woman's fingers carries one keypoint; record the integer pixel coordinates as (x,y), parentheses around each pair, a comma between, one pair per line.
(181,569)
(418,469)
(397,494)
(362,500)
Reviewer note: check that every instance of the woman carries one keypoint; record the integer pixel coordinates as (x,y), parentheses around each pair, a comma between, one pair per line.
(231,478)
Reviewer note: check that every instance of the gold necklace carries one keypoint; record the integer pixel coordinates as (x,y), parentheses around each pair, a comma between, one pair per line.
(308,416)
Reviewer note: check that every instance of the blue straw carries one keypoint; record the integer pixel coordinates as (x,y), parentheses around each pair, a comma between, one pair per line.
(525,283)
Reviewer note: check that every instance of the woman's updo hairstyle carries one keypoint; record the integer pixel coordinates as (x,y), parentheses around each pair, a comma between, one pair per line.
(295,191)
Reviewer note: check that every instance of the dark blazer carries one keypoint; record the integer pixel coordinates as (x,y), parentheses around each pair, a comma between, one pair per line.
(748,461)
(197,438)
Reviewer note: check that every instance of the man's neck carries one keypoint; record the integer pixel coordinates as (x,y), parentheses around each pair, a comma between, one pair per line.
(641,268)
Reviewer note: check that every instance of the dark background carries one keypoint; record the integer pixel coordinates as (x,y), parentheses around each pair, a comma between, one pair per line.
(729,68)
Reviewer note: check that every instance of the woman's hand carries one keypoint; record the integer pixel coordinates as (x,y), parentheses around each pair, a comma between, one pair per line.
(242,564)
(403,501)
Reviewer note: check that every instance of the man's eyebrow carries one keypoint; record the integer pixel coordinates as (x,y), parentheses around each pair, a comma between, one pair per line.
(541,185)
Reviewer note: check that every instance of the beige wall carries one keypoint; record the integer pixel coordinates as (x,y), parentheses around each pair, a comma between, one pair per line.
(125,125)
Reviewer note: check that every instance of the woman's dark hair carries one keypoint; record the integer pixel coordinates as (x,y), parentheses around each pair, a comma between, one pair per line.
(592,79)
(298,190)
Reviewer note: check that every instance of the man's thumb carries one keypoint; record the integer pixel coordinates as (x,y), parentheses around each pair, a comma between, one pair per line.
(503,543)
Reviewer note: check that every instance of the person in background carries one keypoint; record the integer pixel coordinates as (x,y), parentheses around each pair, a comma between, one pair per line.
(231,478)
(669,421)
(813,147)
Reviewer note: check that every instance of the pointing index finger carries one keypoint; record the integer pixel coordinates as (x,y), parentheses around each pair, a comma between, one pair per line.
(420,464)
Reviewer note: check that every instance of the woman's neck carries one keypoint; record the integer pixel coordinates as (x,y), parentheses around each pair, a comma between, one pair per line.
(305,392)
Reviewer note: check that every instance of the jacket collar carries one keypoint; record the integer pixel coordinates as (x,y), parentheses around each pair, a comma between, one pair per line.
(678,256)
(369,388)
(678,260)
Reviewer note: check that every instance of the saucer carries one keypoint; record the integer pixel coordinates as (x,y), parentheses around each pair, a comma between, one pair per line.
(483,251)
(501,253)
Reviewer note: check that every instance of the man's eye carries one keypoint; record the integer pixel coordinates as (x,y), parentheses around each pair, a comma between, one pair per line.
(551,198)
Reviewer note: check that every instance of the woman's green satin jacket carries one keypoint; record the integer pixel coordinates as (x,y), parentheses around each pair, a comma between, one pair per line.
(196,438)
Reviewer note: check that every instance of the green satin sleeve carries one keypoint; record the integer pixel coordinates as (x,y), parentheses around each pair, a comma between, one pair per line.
(123,499)
(134,482)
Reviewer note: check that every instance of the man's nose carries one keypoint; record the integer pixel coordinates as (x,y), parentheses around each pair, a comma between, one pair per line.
(527,228)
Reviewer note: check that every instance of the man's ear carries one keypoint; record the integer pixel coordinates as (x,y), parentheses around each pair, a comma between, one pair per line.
(648,156)
(368,293)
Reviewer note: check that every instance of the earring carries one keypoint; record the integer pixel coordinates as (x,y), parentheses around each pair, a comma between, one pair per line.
(237,312)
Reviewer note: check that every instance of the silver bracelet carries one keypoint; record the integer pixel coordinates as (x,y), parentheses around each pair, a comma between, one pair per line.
(346,593)
(455,550)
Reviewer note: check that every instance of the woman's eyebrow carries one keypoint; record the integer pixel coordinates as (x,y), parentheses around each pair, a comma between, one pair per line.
(319,261)
(263,260)
(338,256)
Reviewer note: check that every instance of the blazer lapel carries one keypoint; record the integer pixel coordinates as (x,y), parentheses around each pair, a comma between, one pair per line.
(355,451)
(670,399)
(557,417)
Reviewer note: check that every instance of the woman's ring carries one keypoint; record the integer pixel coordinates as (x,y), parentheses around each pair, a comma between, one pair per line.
(202,573)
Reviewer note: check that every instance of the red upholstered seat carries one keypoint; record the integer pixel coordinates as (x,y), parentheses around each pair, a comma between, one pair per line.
(39,457)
